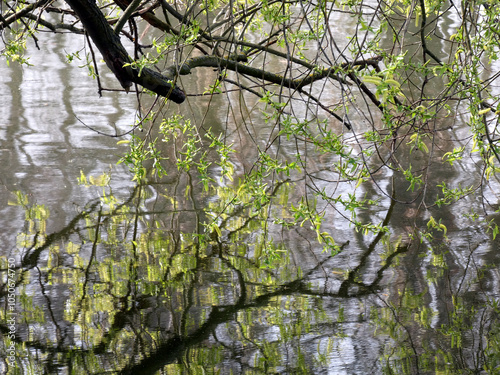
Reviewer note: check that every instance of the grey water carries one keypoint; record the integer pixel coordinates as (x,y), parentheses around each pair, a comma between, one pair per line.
(110,276)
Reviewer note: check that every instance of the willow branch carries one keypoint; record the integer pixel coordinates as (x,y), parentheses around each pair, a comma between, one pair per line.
(423,24)
(115,55)
(126,15)
(54,26)
(7,20)
(233,63)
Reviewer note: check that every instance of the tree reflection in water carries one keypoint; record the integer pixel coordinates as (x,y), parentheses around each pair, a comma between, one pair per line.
(137,287)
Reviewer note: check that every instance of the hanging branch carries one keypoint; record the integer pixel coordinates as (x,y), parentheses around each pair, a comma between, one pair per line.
(126,15)
(115,55)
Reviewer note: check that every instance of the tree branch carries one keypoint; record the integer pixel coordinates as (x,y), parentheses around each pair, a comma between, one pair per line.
(150,18)
(115,55)
(234,63)
(126,15)
(6,21)
(54,26)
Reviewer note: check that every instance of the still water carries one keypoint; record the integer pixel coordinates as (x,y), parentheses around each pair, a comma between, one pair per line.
(110,276)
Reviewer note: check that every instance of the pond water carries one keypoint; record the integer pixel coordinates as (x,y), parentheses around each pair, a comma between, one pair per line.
(111,276)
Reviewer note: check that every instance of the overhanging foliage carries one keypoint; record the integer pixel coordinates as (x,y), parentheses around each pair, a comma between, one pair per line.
(382,95)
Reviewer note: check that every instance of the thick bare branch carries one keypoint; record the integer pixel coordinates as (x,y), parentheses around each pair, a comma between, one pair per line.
(237,64)
(10,18)
(115,55)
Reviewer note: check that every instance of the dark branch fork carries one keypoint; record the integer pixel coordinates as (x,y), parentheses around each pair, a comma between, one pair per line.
(107,41)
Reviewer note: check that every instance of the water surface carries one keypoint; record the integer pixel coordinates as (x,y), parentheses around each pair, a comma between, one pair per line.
(112,277)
